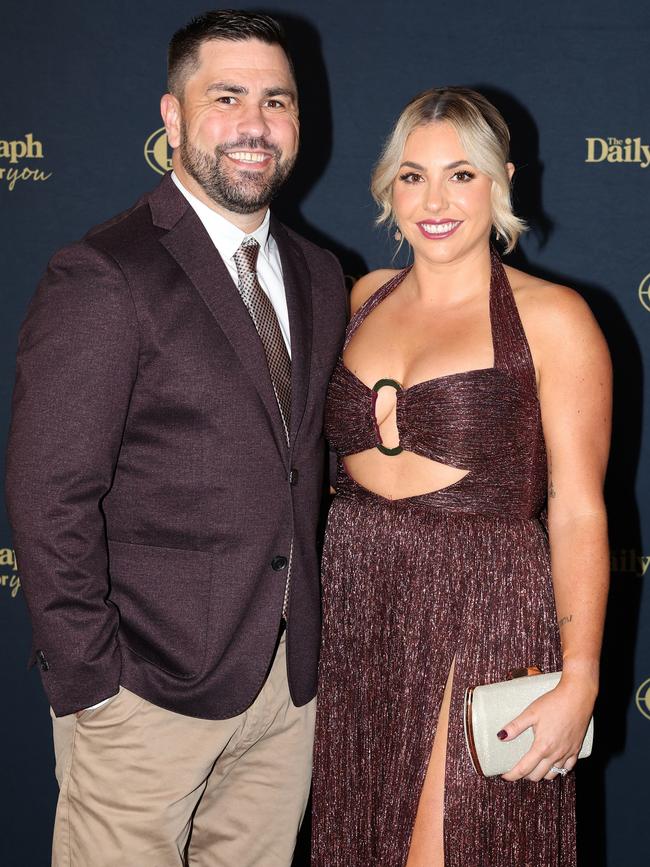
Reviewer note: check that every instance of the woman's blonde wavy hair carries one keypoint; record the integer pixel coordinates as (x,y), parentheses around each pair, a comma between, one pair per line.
(484,136)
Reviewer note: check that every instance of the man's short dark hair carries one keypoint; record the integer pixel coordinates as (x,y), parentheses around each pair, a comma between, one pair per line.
(231,24)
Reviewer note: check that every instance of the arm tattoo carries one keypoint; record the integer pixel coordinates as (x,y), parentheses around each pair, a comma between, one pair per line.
(565,620)
(551,490)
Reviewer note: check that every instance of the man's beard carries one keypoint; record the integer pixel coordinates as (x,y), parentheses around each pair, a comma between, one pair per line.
(251,191)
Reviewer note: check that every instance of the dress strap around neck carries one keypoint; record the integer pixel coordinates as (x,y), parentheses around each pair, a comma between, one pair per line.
(373,301)
(511,349)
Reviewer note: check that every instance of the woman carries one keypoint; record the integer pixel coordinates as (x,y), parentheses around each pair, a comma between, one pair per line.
(470,398)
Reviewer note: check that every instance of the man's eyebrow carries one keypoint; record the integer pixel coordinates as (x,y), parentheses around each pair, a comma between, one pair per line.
(446,168)
(280,91)
(240,90)
(227,86)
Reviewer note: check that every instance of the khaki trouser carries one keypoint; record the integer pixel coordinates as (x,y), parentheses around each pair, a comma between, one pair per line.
(144,787)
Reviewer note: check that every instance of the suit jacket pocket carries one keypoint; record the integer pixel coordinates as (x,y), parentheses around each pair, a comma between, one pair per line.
(163,597)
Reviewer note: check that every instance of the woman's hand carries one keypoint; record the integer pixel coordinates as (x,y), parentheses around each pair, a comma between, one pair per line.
(559,719)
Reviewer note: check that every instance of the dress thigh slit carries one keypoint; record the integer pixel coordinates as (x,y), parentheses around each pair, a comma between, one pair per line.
(426,847)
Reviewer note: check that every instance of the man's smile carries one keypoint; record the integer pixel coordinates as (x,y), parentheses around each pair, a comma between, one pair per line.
(249,158)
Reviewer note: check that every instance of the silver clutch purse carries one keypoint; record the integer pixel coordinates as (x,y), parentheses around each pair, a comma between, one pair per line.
(490,707)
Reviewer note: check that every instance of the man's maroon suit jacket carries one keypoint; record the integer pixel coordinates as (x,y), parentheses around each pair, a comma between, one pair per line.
(151,492)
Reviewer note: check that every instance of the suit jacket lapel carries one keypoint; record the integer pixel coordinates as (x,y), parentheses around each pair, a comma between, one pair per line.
(188,242)
(297,286)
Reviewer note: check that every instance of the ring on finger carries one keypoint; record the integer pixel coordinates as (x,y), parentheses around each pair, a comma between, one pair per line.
(562,771)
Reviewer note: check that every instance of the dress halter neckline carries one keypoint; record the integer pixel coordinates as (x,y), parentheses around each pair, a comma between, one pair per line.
(510,346)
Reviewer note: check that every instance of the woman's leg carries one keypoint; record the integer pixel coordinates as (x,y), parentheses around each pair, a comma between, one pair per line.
(427,842)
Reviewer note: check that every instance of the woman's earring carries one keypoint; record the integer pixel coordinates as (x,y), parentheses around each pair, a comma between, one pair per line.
(397,235)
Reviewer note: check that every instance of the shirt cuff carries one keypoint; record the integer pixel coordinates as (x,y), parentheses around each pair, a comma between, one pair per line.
(103,701)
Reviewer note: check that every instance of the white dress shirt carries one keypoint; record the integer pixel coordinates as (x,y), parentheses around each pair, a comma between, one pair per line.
(227,238)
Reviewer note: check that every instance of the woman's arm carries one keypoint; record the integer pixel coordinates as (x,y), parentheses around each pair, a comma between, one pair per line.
(575,395)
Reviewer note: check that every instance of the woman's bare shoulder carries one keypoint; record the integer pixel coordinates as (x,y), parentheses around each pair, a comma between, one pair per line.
(367,285)
(545,305)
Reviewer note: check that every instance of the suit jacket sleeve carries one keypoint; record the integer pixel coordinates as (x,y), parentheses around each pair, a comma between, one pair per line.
(76,367)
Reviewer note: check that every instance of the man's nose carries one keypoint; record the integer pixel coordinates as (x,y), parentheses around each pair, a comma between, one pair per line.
(252,122)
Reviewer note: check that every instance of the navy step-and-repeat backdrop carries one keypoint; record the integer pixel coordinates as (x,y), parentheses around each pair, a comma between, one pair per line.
(81,138)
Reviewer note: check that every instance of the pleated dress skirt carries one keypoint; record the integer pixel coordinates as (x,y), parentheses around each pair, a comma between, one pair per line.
(407,590)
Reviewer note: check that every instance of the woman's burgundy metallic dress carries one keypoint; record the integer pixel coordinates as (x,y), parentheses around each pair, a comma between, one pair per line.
(411,584)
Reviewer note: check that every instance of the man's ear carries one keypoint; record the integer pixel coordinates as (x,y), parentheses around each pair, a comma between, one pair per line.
(170,110)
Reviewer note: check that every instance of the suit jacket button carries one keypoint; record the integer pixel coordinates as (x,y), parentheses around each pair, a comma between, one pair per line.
(293,476)
(42,661)
(279,563)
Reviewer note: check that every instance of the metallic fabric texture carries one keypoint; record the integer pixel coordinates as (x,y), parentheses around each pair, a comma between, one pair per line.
(410,585)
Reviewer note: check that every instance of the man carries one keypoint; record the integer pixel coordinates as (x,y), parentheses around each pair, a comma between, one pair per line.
(165,471)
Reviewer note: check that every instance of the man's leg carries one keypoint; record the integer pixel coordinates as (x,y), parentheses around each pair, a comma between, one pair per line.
(255,797)
(130,775)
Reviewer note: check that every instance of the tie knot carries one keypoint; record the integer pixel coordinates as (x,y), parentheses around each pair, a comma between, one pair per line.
(246,256)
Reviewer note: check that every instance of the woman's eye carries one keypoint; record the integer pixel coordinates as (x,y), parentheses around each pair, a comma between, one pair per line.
(463,176)
(410,177)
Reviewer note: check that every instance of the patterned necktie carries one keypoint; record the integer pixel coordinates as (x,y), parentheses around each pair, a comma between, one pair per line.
(266,322)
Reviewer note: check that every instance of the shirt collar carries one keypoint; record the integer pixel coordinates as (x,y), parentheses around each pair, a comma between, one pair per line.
(226,237)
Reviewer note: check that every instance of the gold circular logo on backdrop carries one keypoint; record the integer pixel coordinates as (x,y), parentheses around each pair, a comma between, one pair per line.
(157,151)
(644,292)
(643,698)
